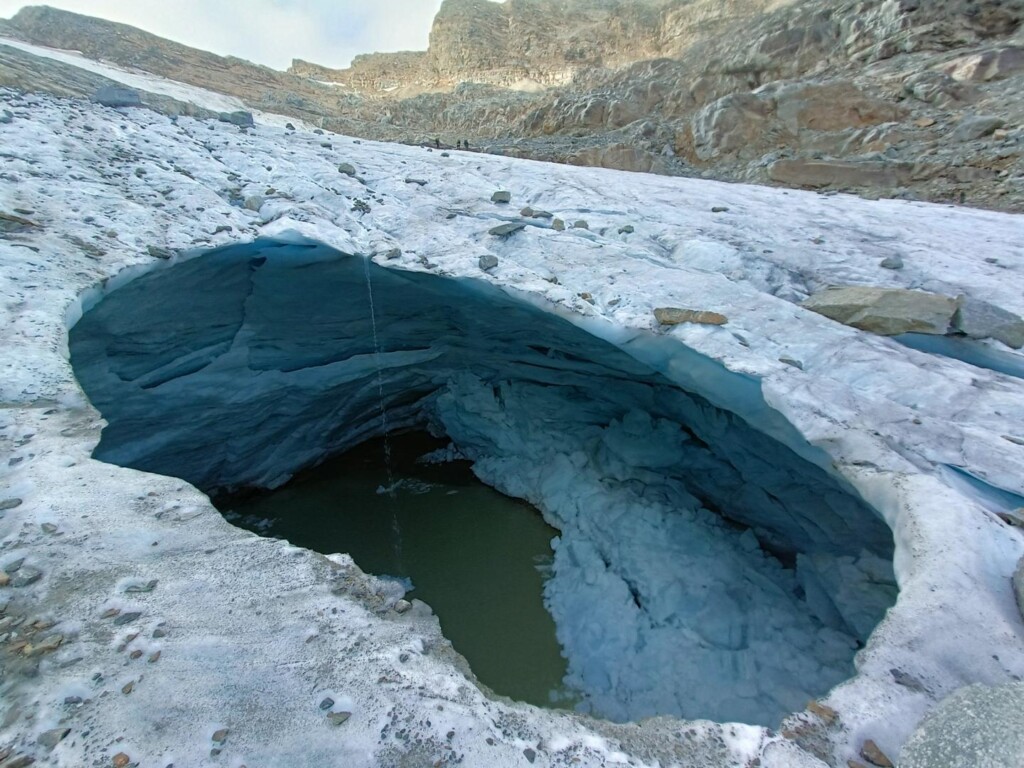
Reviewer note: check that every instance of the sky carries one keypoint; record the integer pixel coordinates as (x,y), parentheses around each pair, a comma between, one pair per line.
(271,32)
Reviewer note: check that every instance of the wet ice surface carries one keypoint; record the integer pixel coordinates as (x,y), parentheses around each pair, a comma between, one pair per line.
(478,558)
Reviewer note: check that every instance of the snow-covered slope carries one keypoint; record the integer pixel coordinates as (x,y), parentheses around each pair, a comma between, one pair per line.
(148,82)
(252,635)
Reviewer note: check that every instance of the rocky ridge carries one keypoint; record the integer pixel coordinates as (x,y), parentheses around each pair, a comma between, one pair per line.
(891,98)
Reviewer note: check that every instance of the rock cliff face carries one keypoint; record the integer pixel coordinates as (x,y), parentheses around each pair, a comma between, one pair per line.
(879,97)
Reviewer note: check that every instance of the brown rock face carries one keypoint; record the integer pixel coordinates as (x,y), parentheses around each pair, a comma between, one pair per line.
(858,95)
(830,107)
(815,174)
(733,123)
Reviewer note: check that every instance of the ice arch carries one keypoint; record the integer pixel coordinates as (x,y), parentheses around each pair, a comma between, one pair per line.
(707,568)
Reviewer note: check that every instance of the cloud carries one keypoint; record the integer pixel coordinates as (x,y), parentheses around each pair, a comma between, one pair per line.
(270,32)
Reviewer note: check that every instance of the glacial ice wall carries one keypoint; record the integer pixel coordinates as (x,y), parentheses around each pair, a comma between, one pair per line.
(704,570)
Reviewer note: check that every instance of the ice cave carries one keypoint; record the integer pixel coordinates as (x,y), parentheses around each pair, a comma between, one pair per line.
(707,563)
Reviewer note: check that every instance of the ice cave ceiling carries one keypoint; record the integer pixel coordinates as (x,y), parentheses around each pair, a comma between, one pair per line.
(704,569)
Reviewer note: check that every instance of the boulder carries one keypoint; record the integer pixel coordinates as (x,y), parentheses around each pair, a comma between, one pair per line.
(241,119)
(117,96)
(729,125)
(676,316)
(977,726)
(347,168)
(977,127)
(981,320)
(988,65)
(504,230)
(501,197)
(488,262)
(885,311)
(802,172)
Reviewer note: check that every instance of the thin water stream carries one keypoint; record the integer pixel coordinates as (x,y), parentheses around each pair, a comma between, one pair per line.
(478,558)
(389,488)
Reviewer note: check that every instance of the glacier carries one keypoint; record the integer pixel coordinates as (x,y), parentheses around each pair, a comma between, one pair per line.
(719,441)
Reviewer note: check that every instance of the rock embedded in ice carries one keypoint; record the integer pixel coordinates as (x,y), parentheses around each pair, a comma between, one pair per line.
(580,224)
(885,311)
(891,262)
(159,253)
(504,230)
(120,760)
(403,606)
(26,576)
(347,168)
(501,197)
(418,182)
(980,320)
(676,316)
(1018,585)
(871,752)
(558,225)
(338,718)
(240,118)
(117,96)
(976,726)
(53,737)
(254,202)
(629,229)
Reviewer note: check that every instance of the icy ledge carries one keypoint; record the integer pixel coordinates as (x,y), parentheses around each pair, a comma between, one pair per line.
(255,634)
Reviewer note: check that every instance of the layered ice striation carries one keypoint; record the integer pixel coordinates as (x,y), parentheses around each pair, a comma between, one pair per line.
(704,569)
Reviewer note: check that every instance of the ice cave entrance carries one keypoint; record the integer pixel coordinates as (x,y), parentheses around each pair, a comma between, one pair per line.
(706,564)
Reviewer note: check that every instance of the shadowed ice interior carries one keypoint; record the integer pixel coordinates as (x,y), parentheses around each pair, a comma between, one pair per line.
(704,567)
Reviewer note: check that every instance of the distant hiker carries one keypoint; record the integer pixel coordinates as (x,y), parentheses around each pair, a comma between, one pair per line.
(437,143)
(465,144)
